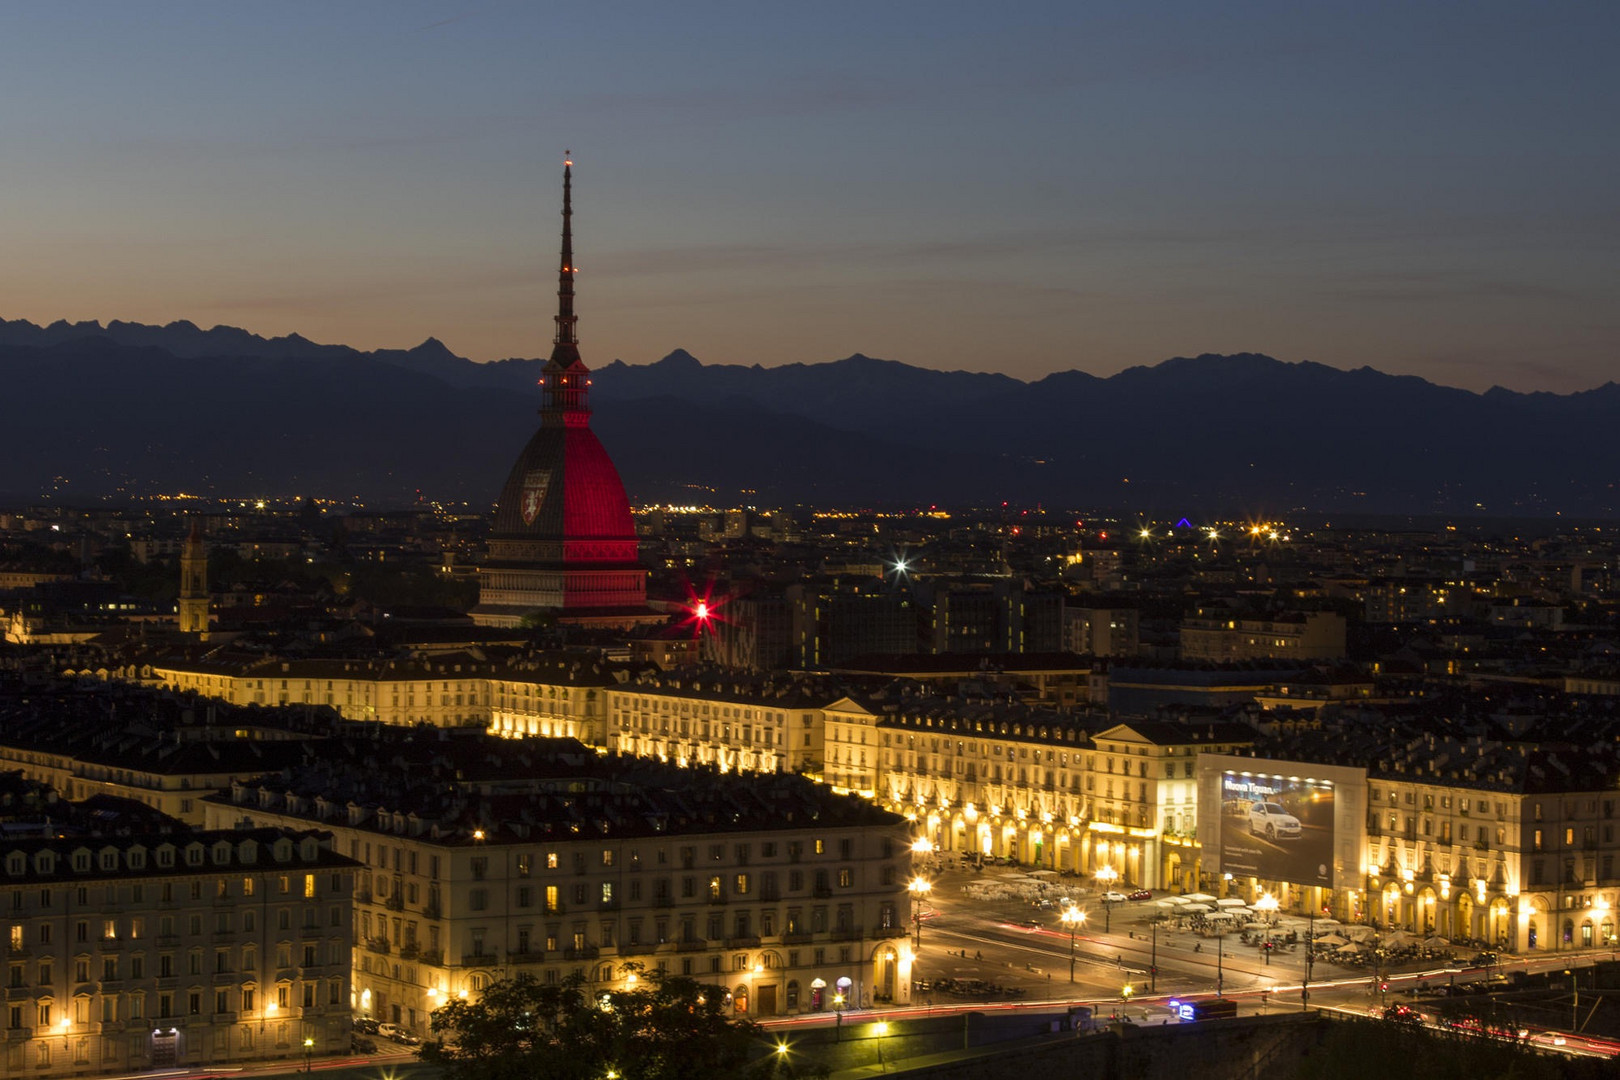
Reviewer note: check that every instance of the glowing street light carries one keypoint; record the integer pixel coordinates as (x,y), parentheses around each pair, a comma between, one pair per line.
(1106,877)
(309,1048)
(881,1029)
(1073,918)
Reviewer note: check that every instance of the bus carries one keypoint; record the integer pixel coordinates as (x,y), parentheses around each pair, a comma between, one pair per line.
(1205,1009)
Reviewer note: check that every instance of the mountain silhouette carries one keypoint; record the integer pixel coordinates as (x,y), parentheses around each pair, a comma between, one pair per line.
(95,411)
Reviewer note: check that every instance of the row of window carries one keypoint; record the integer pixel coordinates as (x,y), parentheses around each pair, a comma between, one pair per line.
(167,1002)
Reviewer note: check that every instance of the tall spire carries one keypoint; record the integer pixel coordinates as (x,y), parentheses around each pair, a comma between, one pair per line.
(567,337)
(567,379)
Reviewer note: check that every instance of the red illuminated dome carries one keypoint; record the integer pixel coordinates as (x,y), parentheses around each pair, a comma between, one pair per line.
(564,543)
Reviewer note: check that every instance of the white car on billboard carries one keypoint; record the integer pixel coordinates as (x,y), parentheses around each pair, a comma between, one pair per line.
(1271,820)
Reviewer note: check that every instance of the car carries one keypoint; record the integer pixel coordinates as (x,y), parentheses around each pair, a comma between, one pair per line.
(1111,897)
(1404,1014)
(391,1031)
(1272,820)
(362,1044)
(366,1025)
(1141,894)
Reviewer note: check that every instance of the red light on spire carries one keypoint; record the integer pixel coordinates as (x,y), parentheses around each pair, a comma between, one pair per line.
(702,610)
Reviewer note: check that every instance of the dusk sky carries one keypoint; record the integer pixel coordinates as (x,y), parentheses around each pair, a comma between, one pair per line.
(1428,189)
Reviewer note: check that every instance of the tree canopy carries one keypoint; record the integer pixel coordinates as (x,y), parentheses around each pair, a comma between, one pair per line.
(659,1028)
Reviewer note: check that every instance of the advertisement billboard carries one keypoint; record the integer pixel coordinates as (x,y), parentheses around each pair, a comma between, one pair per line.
(1277,828)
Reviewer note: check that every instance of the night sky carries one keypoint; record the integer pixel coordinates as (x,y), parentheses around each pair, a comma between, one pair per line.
(1426,188)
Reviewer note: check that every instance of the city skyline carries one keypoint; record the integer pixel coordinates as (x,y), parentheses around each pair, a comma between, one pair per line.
(1392,186)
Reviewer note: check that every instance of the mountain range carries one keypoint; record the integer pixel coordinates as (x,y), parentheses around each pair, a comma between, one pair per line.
(96,410)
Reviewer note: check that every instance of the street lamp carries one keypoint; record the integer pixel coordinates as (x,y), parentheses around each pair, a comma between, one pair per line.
(919,888)
(309,1048)
(1106,877)
(882,1029)
(1073,918)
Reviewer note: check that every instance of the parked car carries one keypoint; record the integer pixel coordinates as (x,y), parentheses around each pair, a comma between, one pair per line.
(366,1024)
(390,1031)
(1272,820)
(1142,894)
(362,1044)
(1112,897)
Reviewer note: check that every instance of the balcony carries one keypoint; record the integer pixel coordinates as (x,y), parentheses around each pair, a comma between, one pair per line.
(691,945)
(638,948)
(889,932)
(110,944)
(525,958)
(847,934)
(433,957)
(408,951)
(797,937)
(746,941)
(378,945)
(362,896)
(582,952)
(434,910)
(479,959)
(395,902)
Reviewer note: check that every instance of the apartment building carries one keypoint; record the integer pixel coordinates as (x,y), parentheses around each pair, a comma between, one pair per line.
(484,857)
(164,751)
(179,950)
(446,690)
(1037,787)
(731,720)
(1511,843)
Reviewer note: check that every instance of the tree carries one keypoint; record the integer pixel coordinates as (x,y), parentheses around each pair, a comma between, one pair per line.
(661,1028)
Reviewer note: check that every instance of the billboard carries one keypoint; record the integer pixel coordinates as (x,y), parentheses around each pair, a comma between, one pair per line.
(1277,828)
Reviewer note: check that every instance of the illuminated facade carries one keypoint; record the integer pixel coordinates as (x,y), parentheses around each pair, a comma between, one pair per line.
(1485,854)
(174,951)
(563,546)
(194,584)
(1044,791)
(769,889)
(445,691)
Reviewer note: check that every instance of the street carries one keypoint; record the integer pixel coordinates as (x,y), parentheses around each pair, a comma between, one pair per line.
(1012,951)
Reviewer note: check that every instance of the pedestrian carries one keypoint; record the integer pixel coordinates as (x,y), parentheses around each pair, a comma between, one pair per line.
(977,955)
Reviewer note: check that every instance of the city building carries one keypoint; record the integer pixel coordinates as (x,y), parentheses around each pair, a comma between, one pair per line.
(179,950)
(486,857)
(564,545)
(161,750)
(1214,637)
(1507,842)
